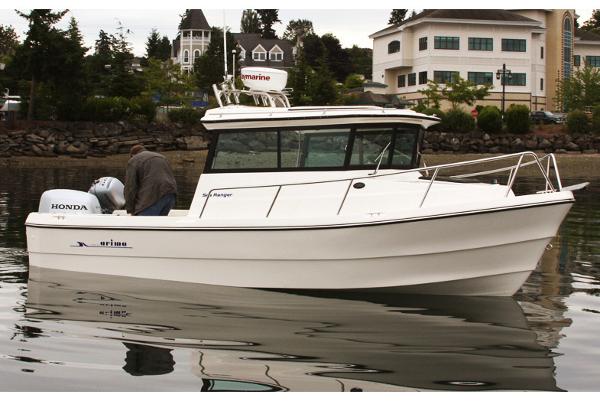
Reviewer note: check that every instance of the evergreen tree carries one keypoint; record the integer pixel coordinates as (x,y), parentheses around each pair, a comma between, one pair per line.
(593,24)
(397,16)
(184,17)
(68,83)
(208,68)
(164,52)
(250,22)
(268,17)
(297,30)
(124,81)
(298,80)
(153,44)
(321,86)
(38,49)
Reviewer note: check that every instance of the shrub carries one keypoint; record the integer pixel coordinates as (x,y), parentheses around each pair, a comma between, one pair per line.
(143,107)
(490,120)
(596,119)
(186,115)
(457,120)
(578,122)
(517,119)
(106,109)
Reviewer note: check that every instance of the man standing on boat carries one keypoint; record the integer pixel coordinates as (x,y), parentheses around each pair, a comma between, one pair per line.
(150,187)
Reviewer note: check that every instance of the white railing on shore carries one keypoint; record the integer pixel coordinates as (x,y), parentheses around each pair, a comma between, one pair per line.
(513,170)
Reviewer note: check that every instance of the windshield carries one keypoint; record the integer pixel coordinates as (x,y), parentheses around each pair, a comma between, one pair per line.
(315,148)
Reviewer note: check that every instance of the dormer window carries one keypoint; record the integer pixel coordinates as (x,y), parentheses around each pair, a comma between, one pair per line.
(276,54)
(394,46)
(242,53)
(259,53)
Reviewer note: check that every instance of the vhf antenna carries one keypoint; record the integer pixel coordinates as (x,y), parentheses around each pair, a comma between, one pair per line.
(225,45)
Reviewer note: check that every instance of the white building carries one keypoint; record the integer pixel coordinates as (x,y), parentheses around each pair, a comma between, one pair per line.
(192,40)
(538,46)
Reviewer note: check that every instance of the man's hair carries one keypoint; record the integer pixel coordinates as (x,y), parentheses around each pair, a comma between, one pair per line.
(135,149)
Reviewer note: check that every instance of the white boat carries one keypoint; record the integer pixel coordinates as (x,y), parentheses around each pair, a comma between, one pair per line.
(320,198)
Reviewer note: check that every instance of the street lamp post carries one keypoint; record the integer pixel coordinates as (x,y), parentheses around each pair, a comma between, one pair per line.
(233,62)
(503,74)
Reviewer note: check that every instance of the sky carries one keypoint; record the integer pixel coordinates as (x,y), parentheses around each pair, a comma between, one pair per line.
(350,25)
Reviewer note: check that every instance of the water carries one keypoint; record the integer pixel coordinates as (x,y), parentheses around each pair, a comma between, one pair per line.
(66,331)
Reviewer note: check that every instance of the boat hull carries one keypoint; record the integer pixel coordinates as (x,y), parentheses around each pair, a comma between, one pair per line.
(487,253)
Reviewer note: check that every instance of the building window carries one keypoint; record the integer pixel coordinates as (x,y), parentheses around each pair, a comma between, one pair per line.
(442,77)
(259,53)
(394,46)
(446,42)
(577,60)
(541,84)
(481,78)
(514,45)
(423,43)
(277,56)
(542,52)
(242,53)
(517,79)
(401,81)
(412,79)
(593,61)
(422,77)
(186,56)
(567,47)
(486,44)
(206,34)
(196,54)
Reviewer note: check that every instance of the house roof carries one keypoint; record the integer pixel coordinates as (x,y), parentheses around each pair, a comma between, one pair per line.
(195,20)
(462,14)
(249,41)
(587,35)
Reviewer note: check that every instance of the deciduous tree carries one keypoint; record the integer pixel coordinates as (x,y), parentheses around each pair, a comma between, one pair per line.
(297,29)
(8,41)
(460,90)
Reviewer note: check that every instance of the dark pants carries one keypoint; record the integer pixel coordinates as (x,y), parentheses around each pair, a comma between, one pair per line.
(162,207)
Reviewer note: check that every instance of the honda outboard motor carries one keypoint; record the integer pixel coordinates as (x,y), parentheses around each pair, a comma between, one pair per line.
(68,201)
(105,195)
(110,193)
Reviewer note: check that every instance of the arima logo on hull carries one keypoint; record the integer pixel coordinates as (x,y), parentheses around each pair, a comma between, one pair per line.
(62,206)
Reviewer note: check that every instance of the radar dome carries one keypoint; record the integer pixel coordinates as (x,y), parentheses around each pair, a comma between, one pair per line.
(264,79)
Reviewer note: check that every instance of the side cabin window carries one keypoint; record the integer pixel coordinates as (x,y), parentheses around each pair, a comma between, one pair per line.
(246,150)
(317,148)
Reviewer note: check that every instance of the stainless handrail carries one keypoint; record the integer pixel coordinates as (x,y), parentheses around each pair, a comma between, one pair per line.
(536,160)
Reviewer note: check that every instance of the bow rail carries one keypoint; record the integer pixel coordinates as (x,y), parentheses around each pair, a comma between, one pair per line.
(549,159)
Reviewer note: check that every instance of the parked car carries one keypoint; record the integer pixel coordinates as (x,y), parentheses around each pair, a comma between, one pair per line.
(547,117)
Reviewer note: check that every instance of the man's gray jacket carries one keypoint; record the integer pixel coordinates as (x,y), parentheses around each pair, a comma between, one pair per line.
(148,178)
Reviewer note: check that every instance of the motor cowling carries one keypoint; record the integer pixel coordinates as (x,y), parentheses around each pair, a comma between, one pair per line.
(110,192)
(68,201)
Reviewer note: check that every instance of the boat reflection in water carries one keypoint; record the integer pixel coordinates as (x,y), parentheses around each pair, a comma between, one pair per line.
(247,339)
